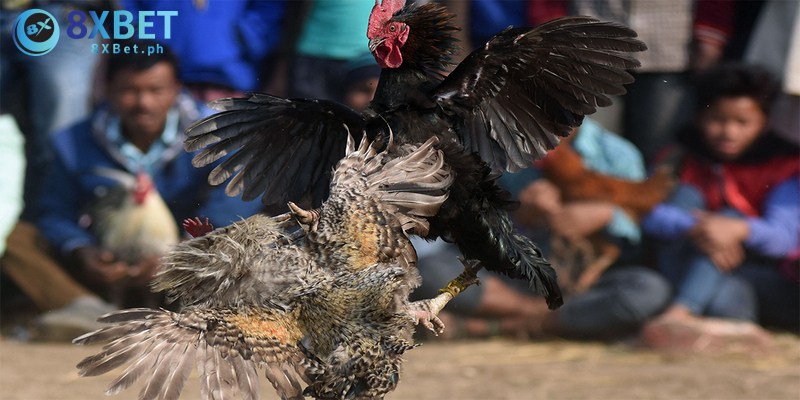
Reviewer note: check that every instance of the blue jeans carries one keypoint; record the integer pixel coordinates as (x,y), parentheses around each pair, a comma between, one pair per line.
(617,305)
(755,291)
(705,290)
(56,89)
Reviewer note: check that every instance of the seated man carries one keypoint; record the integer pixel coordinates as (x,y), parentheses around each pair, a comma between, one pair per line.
(581,206)
(120,183)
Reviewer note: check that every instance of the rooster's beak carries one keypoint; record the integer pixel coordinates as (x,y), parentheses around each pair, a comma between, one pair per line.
(374,43)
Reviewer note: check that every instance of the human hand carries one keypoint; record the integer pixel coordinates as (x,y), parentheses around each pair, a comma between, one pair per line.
(581,218)
(538,199)
(716,231)
(100,265)
(726,258)
(721,238)
(142,272)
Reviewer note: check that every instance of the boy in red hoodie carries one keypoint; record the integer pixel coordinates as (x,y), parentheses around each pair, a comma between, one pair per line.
(730,230)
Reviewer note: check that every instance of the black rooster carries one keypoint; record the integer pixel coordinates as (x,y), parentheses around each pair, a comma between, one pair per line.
(504,106)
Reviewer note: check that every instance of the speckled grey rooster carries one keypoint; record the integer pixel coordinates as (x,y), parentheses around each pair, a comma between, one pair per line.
(323,310)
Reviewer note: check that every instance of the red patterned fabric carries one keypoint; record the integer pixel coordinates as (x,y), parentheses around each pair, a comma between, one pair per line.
(742,186)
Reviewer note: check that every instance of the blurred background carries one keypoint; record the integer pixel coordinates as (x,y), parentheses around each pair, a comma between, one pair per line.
(672,216)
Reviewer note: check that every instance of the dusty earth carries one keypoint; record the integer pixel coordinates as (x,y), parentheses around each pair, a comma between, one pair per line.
(493,369)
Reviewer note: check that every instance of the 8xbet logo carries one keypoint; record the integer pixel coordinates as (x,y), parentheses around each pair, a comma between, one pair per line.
(35,32)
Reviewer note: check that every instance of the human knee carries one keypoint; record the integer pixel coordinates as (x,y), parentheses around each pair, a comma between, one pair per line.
(650,293)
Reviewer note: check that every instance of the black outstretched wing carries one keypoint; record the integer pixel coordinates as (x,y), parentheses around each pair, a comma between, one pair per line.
(284,148)
(526,87)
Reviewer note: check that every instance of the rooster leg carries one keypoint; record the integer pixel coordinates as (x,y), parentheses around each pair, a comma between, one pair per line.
(426,312)
(285,220)
(305,217)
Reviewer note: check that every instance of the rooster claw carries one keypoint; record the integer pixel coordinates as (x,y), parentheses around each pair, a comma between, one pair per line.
(429,320)
(423,315)
(309,218)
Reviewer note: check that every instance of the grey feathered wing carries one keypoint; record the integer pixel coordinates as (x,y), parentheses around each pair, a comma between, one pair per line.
(226,346)
(255,260)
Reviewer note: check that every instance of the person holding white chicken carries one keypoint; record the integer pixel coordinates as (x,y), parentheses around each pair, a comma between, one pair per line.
(119,186)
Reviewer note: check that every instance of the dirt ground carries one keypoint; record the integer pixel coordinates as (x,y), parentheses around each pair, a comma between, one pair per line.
(493,369)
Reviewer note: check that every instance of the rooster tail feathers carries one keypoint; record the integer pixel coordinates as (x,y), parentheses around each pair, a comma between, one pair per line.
(489,236)
(416,184)
(540,274)
(412,185)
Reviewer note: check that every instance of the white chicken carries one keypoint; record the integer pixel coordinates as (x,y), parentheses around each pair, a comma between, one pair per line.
(132,220)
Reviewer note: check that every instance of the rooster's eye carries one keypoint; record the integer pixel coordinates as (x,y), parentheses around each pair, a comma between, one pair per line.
(392,28)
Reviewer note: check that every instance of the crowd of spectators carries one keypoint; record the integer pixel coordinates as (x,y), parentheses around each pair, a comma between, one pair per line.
(678,224)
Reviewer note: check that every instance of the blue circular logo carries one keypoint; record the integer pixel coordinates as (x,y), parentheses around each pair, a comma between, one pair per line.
(35,32)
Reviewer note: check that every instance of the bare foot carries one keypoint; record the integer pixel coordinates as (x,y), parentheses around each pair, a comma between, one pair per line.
(677,331)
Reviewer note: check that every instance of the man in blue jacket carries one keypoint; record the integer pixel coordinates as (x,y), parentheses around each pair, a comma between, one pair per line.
(140,130)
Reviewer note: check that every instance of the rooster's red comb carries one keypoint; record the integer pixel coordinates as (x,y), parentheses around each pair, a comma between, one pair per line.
(381,13)
(392,6)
